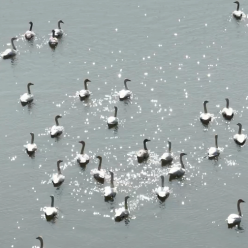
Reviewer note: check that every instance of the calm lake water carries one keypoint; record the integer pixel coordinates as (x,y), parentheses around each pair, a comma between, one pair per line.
(176,54)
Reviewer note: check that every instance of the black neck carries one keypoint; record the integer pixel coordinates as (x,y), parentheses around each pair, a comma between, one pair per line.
(240,128)
(31,26)
(13,45)
(126,203)
(58,166)
(32,138)
(52,201)
(205,107)
(162,181)
(115,111)
(41,242)
(237,6)
(169,148)
(239,210)
(112,180)
(125,84)
(181,161)
(59,25)
(83,145)
(56,121)
(216,141)
(29,91)
(85,85)
(145,145)
(100,163)
(227,103)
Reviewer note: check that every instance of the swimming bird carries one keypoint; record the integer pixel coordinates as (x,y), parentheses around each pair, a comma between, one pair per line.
(31,147)
(178,170)
(227,112)
(27,97)
(99,173)
(56,130)
(50,212)
(53,41)
(122,213)
(214,152)
(83,94)
(41,241)
(83,158)
(58,178)
(110,191)
(240,138)
(167,157)
(162,192)
(238,14)
(112,120)
(8,53)
(58,31)
(30,34)
(143,153)
(205,117)
(126,93)
(235,219)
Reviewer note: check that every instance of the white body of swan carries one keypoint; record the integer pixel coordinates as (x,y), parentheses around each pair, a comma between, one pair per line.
(50,211)
(8,53)
(234,219)
(205,117)
(213,152)
(122,213)
(58,31)
(58,178)
(166,157)
(109,191)
(53,41)
(142,154)
(228,112)
(177,171)
(239,14)
(26,98)
(83,158)
(29,35)
(240,138)
(162,192)
(56,130)
(31,147)
(84,93)
(112,120)
(98,173)
(125,93)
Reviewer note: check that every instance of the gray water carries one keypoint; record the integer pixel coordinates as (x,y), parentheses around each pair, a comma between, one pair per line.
(177,54)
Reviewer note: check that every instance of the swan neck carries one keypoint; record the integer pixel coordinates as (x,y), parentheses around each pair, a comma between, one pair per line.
(59,25)
(41,243)
(56,121)
(240,129)
(29,91)
(32,138)
(205,107)
(125,84)
(237,6)
(162,182)
(82,150)
(58,166)
(13,45)
(115,112)
(145,147)
(239,210)
(181,161)
(169,149)
(85,85)
(100,164)
(31,26)
(216,141)
(227,103)
(52,202)
(126,208)
(112,180)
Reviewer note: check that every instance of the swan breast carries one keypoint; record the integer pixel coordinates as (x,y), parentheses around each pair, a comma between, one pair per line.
(227,112)
(162,191)
(98,173)
(124,94)
(109,191)
(121,213)
(142,154)
(233,218)
(84,93)
(55,130)
(240,138)
(239,14)
(26,97)
(31,147)
(29,35)
(112,120)
(177,171)
(58,178)
(83,158)
(206,116)
(213,152)
(166,157)
(50,211)
(58,32)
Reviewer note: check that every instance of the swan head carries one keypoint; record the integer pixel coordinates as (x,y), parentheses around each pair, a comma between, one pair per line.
(14,38)
(240,200)
(237,2)
(99,157)
(127,197)
(30,84)
(31,23)
(82,142)
(39,238)
(239,125)
(60,21)
(182,154)
(86,80)
(59,161)
(205,102)
(58,116)
(127,80)
(146,140)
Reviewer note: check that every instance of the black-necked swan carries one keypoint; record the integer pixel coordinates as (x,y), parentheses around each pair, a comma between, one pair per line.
(235,219)
(214,152)
(50,212)
(56,130)
(143,153)
(27,97)
(178,170)
(205,117)
(99,173)
(110,191)
(227,112)
(30,34)
(41,241)
(125,93)
(239,137)
(238,14)
(31,147)
(122,213)
(53,41)
(112,120)
(84,93)
(58,178)
(58,31)
(8,53)
(167,157)
(162,192)
(83,158)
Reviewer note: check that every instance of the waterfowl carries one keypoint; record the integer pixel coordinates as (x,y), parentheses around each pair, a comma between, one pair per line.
(83,158)
(235,219)
(110,191)
(8,53)
(205,117)
(41,241)
(112,120)
(58,31)
(27,97)
(122,213)
(56,130)
(84,93)
(214,152)
(31,147)
(162,192)
(178,170)
(143,153)
(126,93)
(167,157)
(99,173)
(227,112)
(50,212)
(30,34)
(238,14)
(58,178)
(53,41)
(239,137)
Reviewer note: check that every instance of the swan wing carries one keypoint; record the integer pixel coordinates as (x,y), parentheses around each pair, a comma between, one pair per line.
(49,211)
(240,138)
(233,218)
(112,120)
(166,157)
(84,93)
(206,116)
(31,147)
(26,97)
(213,152)
(124,94)
(83,158)
(56,130)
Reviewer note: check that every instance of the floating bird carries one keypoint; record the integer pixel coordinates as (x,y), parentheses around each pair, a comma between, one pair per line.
(112,120)
(58,31)
(235,219)
(8,53)
(56,130)
(205,117)
(41,241)
(99,173)
(143,153)
(31,147)
(58,178)
(122,213)
(178,170)
(83,94)
(214,152)
(30,34)
(167,157)
(239,137)
(238,14)
(83,158)
(126,93)
(162,192)
(50,212)
(27,97)
(110,191)
(53,41)
(227,112)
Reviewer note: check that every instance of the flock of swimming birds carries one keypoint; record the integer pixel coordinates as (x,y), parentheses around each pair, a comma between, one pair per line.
(177,171)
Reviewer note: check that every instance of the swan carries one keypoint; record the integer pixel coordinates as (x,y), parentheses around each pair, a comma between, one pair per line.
(8,53)
(27,97)
(240,138)
(122,213)
(143,153)
(205,117)
(31,147)
(179,169)
(53,41)
(83,158)
(227,112)
(41,241)
(58,178)
(50,212)
(58,31)
(235,219)
(126,93)
(56,130)
(214,152)
(238,14)
(110,191)
(99,173)
(112,120)
(167,157)
(162,192)
(84,93)
(30,34)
